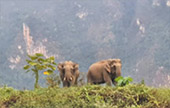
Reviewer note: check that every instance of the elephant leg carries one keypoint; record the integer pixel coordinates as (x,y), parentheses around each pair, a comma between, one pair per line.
(89,81)
(113,81)
(107,79)
(65,84)
(76,81)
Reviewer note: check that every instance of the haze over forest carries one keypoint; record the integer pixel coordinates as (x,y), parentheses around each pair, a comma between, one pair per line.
(136,31)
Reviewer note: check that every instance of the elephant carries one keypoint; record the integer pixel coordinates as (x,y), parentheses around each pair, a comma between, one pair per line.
(69,73)
(104,71)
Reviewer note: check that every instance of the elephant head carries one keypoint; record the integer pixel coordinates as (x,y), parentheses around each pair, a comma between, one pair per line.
(69,73)
(113,67)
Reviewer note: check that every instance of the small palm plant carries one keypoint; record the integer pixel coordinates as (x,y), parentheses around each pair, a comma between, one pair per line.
(37,63)
(123,81)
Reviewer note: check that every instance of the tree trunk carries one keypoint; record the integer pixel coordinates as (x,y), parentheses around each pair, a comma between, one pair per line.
(36,80)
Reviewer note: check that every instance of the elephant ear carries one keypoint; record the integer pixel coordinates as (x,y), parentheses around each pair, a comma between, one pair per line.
(60,66)
(120,63)
(76,66)
(107,68)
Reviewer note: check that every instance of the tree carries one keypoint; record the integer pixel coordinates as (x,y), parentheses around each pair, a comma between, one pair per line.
(37,63)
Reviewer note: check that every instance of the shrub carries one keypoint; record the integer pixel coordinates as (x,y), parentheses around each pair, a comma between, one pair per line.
(123,81)
(53,80)
(89,96)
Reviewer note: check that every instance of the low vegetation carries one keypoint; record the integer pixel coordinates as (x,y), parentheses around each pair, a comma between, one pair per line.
(87,96)
(123,81)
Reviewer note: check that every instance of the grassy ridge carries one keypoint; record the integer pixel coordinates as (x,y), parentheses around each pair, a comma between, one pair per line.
(89,96)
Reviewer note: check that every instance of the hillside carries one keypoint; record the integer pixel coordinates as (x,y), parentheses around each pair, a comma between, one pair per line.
(131,96)
(136,31)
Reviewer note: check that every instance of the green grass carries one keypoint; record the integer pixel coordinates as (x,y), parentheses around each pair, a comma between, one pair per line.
(89,96)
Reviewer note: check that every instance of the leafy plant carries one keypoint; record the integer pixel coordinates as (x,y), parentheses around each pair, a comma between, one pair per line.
(37,63)
(143,82)
(53,80)
(123,81)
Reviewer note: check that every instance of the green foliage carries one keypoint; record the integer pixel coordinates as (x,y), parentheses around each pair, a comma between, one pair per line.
(37,63)
(143,82)
(89,96)
(123,81)
(5,94)
(53,80)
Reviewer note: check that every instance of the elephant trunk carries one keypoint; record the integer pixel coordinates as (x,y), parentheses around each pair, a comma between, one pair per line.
(68,76)
(118,71)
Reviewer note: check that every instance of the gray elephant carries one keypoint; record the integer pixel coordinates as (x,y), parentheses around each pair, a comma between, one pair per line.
(104,71)
(69,73)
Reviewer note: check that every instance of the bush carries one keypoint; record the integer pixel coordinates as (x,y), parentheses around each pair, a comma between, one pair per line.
(123,81)
(89,96)
(53,80)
